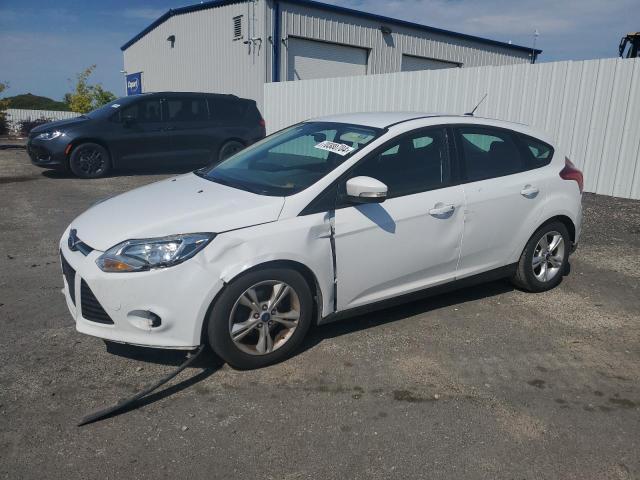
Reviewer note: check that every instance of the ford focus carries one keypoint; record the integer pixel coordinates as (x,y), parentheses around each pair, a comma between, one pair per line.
(317,222)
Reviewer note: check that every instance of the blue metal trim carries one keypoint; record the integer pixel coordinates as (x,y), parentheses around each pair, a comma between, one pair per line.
(275,62)
(332,8)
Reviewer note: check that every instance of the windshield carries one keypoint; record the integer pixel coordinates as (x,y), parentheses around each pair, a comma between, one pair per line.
(291,160)
(108,108)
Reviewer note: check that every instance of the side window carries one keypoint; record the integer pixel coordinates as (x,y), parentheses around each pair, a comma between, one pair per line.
(489,153)
(144,111)
(416,163)
(187,109)
(227,111)
(541,153)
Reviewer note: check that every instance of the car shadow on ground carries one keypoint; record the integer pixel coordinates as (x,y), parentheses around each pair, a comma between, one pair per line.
(422,303)
(64,174)
(209,362)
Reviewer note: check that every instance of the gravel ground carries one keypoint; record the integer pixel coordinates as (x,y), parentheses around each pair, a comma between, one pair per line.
(487,382)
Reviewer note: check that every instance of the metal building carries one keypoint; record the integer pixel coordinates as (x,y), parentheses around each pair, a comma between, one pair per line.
(235,46)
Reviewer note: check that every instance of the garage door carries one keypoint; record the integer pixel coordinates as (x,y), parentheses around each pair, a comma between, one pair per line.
(310,59)
(411,64)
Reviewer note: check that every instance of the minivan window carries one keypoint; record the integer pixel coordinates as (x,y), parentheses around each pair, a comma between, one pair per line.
(144,111)
(227,110)
(415,163)
(489,153)
(187,109)
(293,159)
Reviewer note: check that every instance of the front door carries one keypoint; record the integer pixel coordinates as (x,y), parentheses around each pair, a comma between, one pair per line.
(412,239)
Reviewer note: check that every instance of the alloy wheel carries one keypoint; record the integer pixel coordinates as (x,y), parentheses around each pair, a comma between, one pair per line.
(90,162)
(264,317)
(548,256)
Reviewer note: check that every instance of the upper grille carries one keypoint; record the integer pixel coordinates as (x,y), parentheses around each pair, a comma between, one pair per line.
(70,276)
(91,308)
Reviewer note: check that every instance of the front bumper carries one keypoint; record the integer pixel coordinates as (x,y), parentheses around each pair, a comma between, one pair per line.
(48,153)
(180,296)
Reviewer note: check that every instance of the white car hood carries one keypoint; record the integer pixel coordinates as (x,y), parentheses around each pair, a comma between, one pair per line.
(184,204)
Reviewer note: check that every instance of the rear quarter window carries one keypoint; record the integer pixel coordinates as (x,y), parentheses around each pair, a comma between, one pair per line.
(227,110)
(540,153)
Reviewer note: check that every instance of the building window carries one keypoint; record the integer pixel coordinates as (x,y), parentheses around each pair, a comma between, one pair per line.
(237,27)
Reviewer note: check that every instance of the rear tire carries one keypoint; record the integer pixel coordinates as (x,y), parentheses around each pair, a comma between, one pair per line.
(229,149)
(256,321)
(544,259)
(89,160)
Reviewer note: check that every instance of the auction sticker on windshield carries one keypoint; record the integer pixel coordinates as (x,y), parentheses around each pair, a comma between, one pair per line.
(339,148)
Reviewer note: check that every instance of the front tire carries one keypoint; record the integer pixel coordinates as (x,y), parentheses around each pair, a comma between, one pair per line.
(544,259)
(261,318)
(89,160)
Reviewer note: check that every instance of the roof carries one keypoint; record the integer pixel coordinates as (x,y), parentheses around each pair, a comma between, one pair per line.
(374,119)
(331,8)
(389,119)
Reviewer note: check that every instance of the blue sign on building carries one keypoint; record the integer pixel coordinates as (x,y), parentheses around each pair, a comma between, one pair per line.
(134,83)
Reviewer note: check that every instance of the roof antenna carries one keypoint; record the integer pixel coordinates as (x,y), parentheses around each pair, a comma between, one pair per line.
(476,107)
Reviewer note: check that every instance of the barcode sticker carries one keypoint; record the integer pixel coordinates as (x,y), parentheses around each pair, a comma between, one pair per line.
(339,148)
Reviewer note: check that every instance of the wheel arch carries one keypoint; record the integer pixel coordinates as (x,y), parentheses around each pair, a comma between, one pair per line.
(565,220)
(309,276)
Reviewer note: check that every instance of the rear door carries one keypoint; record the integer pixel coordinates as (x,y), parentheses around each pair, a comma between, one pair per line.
(139,139)
(190,129)
(504,197)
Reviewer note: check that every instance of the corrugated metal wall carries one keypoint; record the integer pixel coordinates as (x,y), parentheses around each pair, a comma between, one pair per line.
(386,50)
(205,57)
(591,108)
(17,115)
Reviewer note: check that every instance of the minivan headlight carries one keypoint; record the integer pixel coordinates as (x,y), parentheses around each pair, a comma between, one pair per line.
(49,135)
(148,253)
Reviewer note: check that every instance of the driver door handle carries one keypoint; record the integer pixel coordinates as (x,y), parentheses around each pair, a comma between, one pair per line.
(529,191)
(441,210)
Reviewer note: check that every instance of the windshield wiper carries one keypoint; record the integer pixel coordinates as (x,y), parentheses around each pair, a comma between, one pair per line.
(231,184)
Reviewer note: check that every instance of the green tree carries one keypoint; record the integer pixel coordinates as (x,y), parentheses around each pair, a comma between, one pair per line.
(85,96)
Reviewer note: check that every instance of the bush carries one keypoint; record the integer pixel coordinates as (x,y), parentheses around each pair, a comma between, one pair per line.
(26,126)
(4,124)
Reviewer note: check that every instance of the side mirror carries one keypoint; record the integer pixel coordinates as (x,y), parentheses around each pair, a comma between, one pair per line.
(366,190)
(128,120)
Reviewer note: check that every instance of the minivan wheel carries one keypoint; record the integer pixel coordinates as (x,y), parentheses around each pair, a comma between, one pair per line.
(260,318)
(544,259)
(89,160)
(229,149)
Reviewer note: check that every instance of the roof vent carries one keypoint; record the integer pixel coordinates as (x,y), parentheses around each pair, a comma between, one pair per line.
(237,27)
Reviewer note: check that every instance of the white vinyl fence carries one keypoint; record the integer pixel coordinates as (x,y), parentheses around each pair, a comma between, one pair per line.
(591,108)
(17,115)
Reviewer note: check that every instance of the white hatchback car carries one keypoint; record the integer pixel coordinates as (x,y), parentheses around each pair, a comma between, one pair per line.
(318,221)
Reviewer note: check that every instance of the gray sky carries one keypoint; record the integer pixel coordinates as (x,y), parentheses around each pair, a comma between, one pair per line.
(43,44)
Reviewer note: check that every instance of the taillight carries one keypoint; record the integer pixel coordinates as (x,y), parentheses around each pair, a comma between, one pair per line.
(570,172)
(262,123)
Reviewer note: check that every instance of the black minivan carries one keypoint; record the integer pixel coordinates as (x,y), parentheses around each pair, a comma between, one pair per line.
(148,131)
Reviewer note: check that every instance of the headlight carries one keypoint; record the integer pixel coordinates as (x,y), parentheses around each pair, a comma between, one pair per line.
(148,253)
(49,135)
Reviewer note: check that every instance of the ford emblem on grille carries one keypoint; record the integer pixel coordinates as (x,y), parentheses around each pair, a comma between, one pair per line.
(73,240)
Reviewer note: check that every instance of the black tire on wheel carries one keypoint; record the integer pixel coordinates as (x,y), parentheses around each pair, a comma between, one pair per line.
(228,149)
(89,160)
(528,276)
(221,318)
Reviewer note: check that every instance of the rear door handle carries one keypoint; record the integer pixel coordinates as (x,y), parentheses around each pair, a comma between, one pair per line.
(529,191)
(441,210)
(168,129)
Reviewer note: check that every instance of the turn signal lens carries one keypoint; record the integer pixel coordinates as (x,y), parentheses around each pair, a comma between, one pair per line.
(111,265)
(570,172)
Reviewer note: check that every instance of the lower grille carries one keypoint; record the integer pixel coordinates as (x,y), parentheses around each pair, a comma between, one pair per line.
(70,276)
(91,308)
